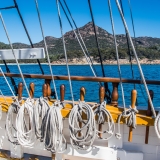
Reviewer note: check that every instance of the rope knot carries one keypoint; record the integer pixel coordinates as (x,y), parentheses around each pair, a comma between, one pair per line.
(41,100)
(110,132)
(58,104)
(118,135)
(100,113)
(130,117)
(133,109)
(80,110)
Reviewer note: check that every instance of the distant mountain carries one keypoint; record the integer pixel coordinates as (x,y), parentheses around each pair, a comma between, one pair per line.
(106,40)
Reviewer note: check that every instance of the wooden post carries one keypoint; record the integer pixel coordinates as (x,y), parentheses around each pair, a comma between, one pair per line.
(148,113)
(101,99)
(114,98)
(53,156)
(20,90)
(133,102)
(45,90)
(62,92)
(31,90)
(47,82)
(82,94)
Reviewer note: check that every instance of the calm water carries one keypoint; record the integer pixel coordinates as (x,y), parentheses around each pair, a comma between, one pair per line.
(151,72)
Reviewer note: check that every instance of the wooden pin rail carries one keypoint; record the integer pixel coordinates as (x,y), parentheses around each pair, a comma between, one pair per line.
(31,92)
(82,94)
(62,92)
(148,113)
(82,78)
(114,97)
(101,99)
(20,90)
(133,102)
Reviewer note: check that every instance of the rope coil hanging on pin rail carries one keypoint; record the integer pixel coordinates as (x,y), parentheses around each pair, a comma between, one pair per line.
(52,124)
(157,125)
(13,108)
(130,115)
(131,122)
(52,129)
(88,129)
(40,110)
(26,136)
(103,115)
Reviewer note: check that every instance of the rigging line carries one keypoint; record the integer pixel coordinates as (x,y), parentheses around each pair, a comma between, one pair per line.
(99,52)
(128,46)
(96,38)
(25,28)
(45,44)
(64,47)
(130,7)
(117,55)
(10,7)
(135,54)
(14,54)
(7,69)
(88,54)
(9,85)
(88,60)
(11,78)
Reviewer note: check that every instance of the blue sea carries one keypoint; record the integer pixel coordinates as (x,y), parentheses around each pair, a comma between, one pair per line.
(151,72)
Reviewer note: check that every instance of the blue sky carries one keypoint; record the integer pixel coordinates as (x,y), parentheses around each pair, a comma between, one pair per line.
(146,14)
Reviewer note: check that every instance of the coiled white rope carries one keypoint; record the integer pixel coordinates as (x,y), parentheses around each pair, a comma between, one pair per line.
(88,130)
(131,119)
(52,129)
(103,115)
(13,109)
(157,125)
(26,137)
(40,110)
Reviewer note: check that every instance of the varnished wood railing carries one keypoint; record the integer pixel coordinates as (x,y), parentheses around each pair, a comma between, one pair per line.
(82,78)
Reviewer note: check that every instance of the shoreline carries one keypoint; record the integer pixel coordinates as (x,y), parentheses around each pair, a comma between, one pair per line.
(82,61)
